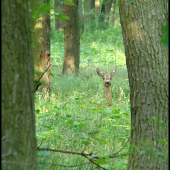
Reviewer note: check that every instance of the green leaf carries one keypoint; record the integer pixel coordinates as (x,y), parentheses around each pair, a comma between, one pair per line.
(115,111)
(126,113)
(81,124)
(70,3)
(37,72)
(37,111)
(62,16)
(51,74)
(84,141)
(45,7)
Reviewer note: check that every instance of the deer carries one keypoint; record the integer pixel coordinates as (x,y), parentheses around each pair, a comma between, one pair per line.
(107,82)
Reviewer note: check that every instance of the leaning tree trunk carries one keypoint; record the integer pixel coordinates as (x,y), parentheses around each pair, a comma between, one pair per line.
(147,64)
(71,39)
(18,117)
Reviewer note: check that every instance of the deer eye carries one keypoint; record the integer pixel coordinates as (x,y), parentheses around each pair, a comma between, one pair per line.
(110,78)
(103,78)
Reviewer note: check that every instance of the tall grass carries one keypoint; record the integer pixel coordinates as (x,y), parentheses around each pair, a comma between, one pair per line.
(77,117)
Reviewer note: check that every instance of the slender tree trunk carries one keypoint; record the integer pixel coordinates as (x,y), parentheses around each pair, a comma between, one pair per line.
(46,47)
(89,13)
(105,10)
(97,10)
(40,35)
(112,15)
(58,21)
(81,17)
(147,64)
(18,117)
(71,39)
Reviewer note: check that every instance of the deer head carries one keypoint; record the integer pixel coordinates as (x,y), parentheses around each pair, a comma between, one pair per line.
(107,81)
(106,77)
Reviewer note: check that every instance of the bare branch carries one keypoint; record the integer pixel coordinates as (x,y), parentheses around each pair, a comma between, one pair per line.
(68,166)
(62,151)
(114,155)
(41,143)
(38,82)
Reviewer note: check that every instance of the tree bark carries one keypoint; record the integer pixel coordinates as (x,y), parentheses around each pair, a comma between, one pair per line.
(147,64)
(40,36)
(58,21)
(71,39)
(18,117)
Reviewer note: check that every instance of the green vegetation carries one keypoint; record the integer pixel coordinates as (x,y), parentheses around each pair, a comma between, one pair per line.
(76,117)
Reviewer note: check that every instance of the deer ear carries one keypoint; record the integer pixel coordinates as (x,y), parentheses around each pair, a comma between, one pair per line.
(99,72)
(113,72)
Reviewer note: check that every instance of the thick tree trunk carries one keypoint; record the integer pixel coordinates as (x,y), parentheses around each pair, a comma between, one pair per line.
(71,39)
(147,64)
(18,117)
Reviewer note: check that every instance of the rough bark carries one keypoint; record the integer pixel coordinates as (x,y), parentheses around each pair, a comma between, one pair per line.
(71,39)
(18,117)
(147,64)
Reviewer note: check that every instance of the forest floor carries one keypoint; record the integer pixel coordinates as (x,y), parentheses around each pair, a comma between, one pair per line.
(76,117)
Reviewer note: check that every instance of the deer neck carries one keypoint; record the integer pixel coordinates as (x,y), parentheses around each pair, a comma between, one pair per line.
(108,93)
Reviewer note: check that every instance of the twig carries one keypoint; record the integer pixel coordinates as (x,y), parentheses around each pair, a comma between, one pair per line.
(65,104)
(114,155)
(83,154)
(93,162)
(73,153)
(67,165)
(62,151)
(41,143)
(38,84)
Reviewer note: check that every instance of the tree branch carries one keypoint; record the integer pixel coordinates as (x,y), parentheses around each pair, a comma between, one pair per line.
(38,82)
(68,166)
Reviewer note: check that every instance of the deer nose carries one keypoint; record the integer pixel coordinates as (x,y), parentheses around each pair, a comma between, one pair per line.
(107,83)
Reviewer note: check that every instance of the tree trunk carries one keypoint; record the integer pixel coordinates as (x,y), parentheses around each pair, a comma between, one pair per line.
(18,117)
(71,39)
(97,10)
(105,10)
(89,14)
(58,21)
(40,34)
(81,17)
(147,64)
(112,15)
(46,47)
